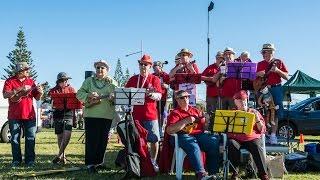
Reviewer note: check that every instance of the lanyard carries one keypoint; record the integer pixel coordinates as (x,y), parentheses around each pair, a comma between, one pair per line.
(144,81)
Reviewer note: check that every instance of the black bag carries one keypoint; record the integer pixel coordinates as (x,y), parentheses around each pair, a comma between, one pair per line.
(129,158)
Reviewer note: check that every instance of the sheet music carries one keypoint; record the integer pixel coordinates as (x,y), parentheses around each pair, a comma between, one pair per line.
(191,89)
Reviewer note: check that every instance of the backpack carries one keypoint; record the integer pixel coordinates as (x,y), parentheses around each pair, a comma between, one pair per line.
(128,158)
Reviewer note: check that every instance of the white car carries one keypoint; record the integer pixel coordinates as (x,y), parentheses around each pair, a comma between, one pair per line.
(4,124)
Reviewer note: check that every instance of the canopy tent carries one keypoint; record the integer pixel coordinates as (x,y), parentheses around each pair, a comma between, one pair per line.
(301,83)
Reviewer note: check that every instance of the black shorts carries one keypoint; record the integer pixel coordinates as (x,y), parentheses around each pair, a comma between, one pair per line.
(62,124)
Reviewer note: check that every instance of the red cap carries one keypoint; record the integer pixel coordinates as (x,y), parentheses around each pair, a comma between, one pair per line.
(146,59)
(241,95)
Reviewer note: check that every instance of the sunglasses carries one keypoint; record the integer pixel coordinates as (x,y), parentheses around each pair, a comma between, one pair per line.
(184,97)
(100,67)
(143,64)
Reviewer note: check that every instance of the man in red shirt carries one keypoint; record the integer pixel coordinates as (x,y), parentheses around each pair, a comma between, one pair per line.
(147,114)
(165,81)
(193,140)
(273,70)
(229,86)
(21,113)
(185,65)
(250,142)
(210,76)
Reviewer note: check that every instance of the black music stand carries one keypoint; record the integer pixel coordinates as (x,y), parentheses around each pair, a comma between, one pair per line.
(129,97)
(229,121)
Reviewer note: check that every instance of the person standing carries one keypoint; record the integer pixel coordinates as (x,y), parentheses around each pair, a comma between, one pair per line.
(20,91)
(63,118)
(97,95)
(228,85)
(147,114)
(273,70)
(164,80)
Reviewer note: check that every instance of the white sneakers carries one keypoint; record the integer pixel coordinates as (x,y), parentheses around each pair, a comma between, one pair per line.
(155,165)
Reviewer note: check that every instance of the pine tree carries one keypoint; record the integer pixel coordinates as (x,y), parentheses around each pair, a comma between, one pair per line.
(20,54)
(118,74)
(126,77)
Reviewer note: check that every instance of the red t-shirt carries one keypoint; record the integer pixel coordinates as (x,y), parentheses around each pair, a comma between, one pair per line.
(149,110)
(255,133)
(164,78)
(179,114)
(273,78)
(230,87)
(210,71)
(22,110)
(174,85)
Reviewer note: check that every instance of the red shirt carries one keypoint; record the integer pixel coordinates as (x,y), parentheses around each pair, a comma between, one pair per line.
(149,110)
(179,114)
(255,133)
(210,71)
(22,110)
(164,79)
(230,86)
(174,85)
(273,78)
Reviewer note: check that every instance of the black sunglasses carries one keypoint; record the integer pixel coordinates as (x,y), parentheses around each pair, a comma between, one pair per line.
(184,97)
(143,64)
(100,67)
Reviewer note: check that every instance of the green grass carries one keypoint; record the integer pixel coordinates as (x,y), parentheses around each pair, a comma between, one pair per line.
(46,149)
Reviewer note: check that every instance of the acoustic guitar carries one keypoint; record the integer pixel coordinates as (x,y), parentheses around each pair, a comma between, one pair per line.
(21,92)
(97,100)
(260,82)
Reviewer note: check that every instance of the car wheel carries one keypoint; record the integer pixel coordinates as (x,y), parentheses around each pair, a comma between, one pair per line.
(283,129)
(5,133)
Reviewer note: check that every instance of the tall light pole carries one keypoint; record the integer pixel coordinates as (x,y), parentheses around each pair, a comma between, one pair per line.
(210,7)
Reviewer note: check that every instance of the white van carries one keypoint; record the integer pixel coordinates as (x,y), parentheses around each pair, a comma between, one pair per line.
(4,124)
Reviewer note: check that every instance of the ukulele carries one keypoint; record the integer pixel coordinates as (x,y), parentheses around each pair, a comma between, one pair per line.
(22,92)
(97,100)
(259,82)
(189,127)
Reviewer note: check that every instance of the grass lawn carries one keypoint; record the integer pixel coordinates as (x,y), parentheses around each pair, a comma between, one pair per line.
(46,149)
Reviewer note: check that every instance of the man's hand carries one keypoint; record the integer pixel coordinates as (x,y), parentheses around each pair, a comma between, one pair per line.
(93,95)
(261,73)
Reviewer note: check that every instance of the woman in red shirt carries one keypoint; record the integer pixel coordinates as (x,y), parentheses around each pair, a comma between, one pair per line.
(250,142)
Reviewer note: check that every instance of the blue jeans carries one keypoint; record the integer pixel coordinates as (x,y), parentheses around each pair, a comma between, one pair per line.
(194,144)
(277,94)
(29,127)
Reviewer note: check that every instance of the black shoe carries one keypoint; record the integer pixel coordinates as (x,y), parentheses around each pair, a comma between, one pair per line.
(30,164)
(57,160)
(15,164)
(92,170)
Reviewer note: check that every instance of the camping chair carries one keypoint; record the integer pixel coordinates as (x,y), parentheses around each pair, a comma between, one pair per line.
(179,155)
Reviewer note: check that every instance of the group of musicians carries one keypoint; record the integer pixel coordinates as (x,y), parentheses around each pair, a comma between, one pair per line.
(97,95)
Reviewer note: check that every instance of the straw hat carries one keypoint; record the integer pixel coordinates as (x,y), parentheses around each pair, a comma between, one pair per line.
(229,49)
(21,66)
(268,47)
(185,50)
(103,63)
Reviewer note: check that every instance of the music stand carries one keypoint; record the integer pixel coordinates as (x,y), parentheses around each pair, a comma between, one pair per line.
(62,101)
(244,71)
(232,121)
(129,97)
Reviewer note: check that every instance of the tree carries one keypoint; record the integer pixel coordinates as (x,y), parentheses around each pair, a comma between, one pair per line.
(126,77)
(20,54)
(118,74)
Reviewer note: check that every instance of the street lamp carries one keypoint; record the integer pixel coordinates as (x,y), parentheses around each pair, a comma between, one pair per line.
(210,7)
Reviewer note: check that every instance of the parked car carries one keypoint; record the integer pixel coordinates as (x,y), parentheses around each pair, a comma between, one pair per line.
(303,117)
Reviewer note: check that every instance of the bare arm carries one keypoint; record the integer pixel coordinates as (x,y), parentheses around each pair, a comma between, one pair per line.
(178,126)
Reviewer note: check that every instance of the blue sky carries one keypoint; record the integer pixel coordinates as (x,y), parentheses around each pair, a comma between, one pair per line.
(69,35)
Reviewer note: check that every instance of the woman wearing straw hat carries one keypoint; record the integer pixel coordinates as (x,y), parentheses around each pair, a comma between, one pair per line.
(98,116)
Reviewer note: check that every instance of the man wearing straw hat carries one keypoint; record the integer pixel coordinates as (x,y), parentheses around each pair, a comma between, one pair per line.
(273,70)
(21,114)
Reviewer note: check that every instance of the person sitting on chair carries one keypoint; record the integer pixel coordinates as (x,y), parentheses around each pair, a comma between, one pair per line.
(250,142)
(188,123)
